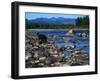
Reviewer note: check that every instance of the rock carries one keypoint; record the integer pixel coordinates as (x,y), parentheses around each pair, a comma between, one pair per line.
(54,56)
(61,54)
(36,55)
(79,34)
(32,62)
(50,36)
(68,47)
(27,41)
(57,64)
(55,52)
(84,35)
(49,44)
(40,64)
(70,33)
(43,45)
(36,43)
(34,38)
(27,56)
(35,47)
(48,60)
(36,61)
(77,52)
(50,51)
(52,65)
(42,59)
(28,46)
(73,46)
(66,40)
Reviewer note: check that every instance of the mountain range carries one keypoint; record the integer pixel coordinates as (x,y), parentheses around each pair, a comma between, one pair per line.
(53,20)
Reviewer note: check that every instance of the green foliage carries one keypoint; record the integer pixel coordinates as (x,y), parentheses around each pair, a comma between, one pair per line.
(82,22)
(30,25)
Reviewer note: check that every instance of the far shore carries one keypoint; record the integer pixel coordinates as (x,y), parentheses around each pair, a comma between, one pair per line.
(59,29)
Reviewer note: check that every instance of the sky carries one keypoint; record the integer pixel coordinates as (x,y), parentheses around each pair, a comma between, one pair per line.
(34,15)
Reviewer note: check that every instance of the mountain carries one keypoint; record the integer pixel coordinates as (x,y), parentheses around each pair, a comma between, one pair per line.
(54,21)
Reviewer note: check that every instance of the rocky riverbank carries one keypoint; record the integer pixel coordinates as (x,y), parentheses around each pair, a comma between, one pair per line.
(47,54)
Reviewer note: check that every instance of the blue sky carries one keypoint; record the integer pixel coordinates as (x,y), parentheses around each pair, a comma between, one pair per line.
(34,15)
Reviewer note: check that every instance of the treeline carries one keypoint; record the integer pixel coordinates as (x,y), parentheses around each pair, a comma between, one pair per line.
(34,25)
(82,22)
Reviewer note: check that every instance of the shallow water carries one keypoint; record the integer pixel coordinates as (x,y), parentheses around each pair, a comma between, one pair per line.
(80,42)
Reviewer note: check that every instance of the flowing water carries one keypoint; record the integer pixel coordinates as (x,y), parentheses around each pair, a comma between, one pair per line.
(59,37)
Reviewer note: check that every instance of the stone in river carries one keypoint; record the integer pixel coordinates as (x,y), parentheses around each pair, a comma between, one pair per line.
(84,35)
(73,46)
(77,52)
(70,33)
(66,40)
